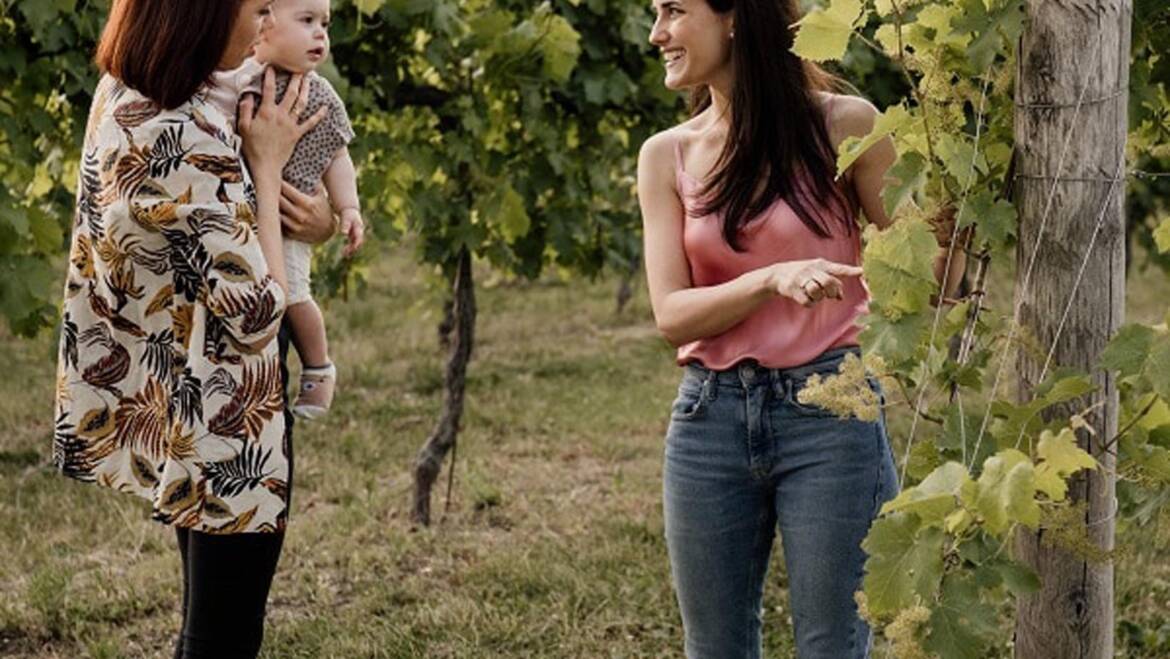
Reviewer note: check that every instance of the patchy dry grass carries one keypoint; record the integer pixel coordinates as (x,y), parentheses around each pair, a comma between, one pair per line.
(553,546)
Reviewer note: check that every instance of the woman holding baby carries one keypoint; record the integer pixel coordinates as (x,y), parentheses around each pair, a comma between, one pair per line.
(171,381)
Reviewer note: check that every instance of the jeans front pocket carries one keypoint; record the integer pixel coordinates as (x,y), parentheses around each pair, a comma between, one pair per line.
(691,400)
(793,399)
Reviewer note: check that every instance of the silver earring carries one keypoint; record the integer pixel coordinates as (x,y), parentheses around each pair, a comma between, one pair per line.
(731,34)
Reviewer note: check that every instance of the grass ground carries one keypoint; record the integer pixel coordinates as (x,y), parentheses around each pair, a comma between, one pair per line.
(552,548)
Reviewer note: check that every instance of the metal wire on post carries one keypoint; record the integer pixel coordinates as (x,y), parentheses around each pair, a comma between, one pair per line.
(1080,276)
(1032,258)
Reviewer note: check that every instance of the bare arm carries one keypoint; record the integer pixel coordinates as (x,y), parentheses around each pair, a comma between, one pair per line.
(682,311)
(869,175)
(268,222)
(341,182)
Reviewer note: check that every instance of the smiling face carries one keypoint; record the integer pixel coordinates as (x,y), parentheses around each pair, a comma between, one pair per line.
(695,42)
(298,38)
(250,21)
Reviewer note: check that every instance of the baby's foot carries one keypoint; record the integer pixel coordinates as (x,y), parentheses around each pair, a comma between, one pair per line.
(317,385)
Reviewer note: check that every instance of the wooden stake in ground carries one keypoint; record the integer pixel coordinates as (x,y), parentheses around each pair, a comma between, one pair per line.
(1070,124)
(429,461)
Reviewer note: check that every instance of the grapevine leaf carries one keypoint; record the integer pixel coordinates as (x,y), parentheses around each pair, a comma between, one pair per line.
(993,497)
(883,7)
(996,218)
(978,548)
(887,37)
(1162,235)
(44,13)
(15,218)
(960,159)
(923,459)
(894,339)
(1022,419)
(906,177)
(905,563)
(504,208)
(1020,579)
(824,32)
(561,46)
(1019,495)
(1061,457)
(994,29)
(1154,462)
(46,232)
(1128,349)
(1157,367)
(935,497)
(1063,389)
(899,267)
(1063,454)
(938,17)
(895,118)
(956,427)
(1158,414)
(1050,483)
(958,521)
(961,622)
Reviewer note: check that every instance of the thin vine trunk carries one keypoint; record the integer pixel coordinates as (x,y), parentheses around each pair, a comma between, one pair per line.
(1074,51)
(429,461)
(447,324)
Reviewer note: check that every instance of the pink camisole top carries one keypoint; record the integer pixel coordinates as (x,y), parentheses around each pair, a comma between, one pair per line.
(780,333)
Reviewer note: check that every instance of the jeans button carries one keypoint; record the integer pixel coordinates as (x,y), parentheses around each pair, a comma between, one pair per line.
(747,373)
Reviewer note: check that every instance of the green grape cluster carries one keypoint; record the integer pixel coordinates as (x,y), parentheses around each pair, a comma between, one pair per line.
(846,393)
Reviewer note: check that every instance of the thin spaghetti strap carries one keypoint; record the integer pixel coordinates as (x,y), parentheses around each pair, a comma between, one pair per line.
(679,171)
(829,112)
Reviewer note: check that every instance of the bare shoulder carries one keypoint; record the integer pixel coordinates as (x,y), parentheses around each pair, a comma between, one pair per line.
(849,116)
(659,147)
(656,157)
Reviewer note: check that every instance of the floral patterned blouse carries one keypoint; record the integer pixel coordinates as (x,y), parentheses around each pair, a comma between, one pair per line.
(168,374)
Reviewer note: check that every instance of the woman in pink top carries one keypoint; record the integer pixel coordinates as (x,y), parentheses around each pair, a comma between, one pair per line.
(752,251)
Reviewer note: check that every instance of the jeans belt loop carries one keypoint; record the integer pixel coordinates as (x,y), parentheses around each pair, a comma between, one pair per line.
(748,374)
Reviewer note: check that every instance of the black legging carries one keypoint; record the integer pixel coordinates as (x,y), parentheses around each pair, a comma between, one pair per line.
(225,590)
(226,577)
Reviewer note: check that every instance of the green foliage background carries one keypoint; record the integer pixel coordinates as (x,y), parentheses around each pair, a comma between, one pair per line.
(507,127)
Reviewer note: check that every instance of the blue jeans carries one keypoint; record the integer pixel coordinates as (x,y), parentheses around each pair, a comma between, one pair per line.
(743,457)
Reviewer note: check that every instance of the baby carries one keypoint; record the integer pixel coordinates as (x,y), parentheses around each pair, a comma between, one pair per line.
(296,40)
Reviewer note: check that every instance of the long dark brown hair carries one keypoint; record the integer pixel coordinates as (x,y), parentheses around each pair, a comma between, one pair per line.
(166,49)
(778,130)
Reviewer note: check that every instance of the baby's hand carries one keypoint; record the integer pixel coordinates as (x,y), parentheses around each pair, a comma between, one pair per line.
(354,230)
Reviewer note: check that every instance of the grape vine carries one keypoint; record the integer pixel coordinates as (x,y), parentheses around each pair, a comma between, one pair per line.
(938,563)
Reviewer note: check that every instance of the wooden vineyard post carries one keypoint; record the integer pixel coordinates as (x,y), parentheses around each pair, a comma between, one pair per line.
(1070,123)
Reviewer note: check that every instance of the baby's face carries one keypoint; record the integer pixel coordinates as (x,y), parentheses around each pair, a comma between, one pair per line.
(297,39)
